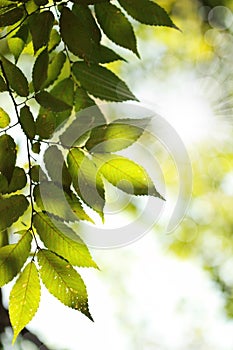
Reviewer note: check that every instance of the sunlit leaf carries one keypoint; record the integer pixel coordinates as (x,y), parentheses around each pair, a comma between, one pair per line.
(116,136)
(147,12)
(13,257)
(7,156)
(27,122)
(11,209)
(4,118)
(61,239)
(86,180)
(101,82)
(54,40)
(24,298)
(15,77)
(116,26)
(125,174)
(61,279)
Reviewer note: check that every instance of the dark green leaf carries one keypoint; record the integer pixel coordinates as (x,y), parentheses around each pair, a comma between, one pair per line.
(3,86)
(101,82)
(18,181)
(40,25)
(4,239)
(37,174)
(116,26)
(13,257)
(125,174)
(27,122)
(41,2)
(45,126)
(61,239)
(40,70)
(89,2)
(15,77)
(63,281)
(116,136)
(7,156)
(4,118)
(54,68)
(11,17)
(86,180)
(47,100)
(105,55)
(147,12)
(24,298)
(36,145)
(11,209)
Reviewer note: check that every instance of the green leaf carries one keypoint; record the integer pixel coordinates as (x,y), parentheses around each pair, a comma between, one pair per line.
(86,180)
(105,55)
(89,2)
(61,279)
(41,2)
(61,239)
(4,118)
(56,167)
(24,299)
(52,199)
(37,174)
(4,239)
(11,209)
(76,35)
(54,68)
(15,77)
(40,25)
(88,21)
(101,82)
(27,122)
(125,174)
(7,156)
(147,12)
(116,26)
(36,147)
(18,181)
(18,41)
(40,70)
(45,126)
(3,86)
(77,208)
(47,100)
(116,136)
(54,40)
(11,17)
(13,257)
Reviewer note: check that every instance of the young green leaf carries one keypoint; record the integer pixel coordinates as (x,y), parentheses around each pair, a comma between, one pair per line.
(4,118)
(16,46)
(101,82)
(47,100)
(147,12)
(11,209)
(62,280)
(86,180)
(125,174)
(27,122)
(116,26)
(24,299)
(12,16)
(116,136)
(61,239)
(15,77)
(40,25)
(13,257)
(18,181)
(7,156)
(40,70)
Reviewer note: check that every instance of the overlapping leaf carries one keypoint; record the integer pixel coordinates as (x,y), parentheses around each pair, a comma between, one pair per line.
(27,122)
(61,279)
(7,156)
(40,25)
(125,174)
(18,181)
(12,16)
(24,299)
(13,257)
(11,209)
(101,82)
(61,239)
(116,136)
